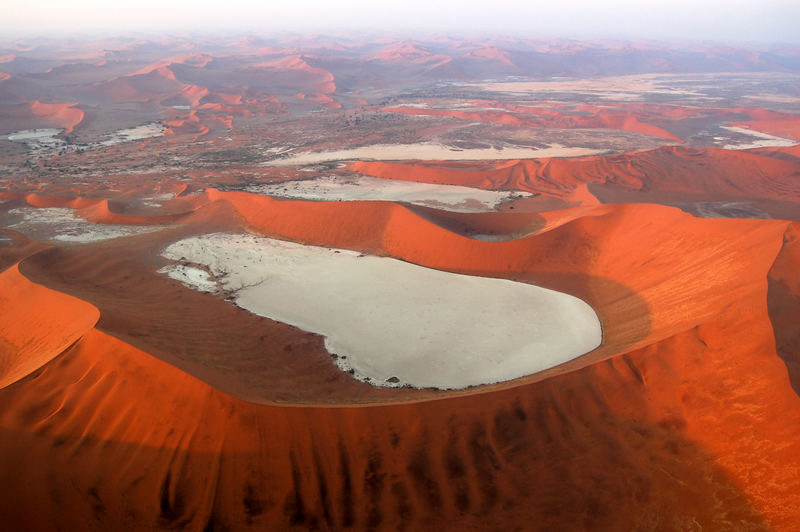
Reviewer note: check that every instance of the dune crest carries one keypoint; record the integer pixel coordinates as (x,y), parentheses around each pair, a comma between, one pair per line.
(36,325)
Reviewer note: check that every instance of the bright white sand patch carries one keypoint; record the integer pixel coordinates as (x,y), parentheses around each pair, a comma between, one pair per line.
(494,238)
(765,140)
(39,141)
(448,197)
(145,131)
(157,200)
(33,134)
(62,225)
(428,151)
(194,277)
(395,323)
(414,105)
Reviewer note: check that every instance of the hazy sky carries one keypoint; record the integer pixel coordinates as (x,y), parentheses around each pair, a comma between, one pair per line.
(728,20)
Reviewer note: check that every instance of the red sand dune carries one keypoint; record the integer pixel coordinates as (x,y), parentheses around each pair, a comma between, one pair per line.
(42,325)
(646,118)
(34,114)
(785,127)
(193,94)
(65,115)
(101,212)
(120,90)
(94,210)
(678,432)
(744,174)
(294,71)
(599,117)
(412,54)
(491,53)
(195,60)
(319,97)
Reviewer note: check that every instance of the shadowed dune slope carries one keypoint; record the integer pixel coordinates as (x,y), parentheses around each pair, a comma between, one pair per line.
(784,302)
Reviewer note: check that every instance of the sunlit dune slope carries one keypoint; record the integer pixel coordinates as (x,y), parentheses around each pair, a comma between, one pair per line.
(95,210)
(664,172)
(680,433)
(600,118)
(671,423)
(642,293)
(36,325)
(591,256)
(34,113)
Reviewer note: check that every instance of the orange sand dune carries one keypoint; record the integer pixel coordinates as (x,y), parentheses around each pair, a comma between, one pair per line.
(95,210)
(491,53)
(36,325)
(101,212)
(42,201)
(64,115)
(726,173)
(193,94)
(120,90)
(487,223)
(295,72)
(195,60)
(411,55)
(599,118)
(387,228)
(786,127)
(319,97)
(681,432)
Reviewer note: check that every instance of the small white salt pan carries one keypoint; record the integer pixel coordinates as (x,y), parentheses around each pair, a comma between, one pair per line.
(145,131)
(61,224)
(393,323)
(193,277)
(33,134)
(765,140)
(363,188)
(428,151)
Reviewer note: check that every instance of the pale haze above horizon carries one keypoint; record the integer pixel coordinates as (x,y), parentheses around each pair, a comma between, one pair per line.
(714,20)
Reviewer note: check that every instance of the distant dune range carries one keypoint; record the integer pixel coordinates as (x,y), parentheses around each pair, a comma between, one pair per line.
(669,424)
(629,116)
(212,85)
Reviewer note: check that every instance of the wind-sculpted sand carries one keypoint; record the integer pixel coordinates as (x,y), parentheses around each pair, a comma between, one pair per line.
(104,417)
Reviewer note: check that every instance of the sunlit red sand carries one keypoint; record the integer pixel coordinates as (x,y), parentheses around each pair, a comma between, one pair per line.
(656,398)
(129,401)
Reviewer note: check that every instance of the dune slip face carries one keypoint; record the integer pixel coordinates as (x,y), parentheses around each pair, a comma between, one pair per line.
(392,322)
